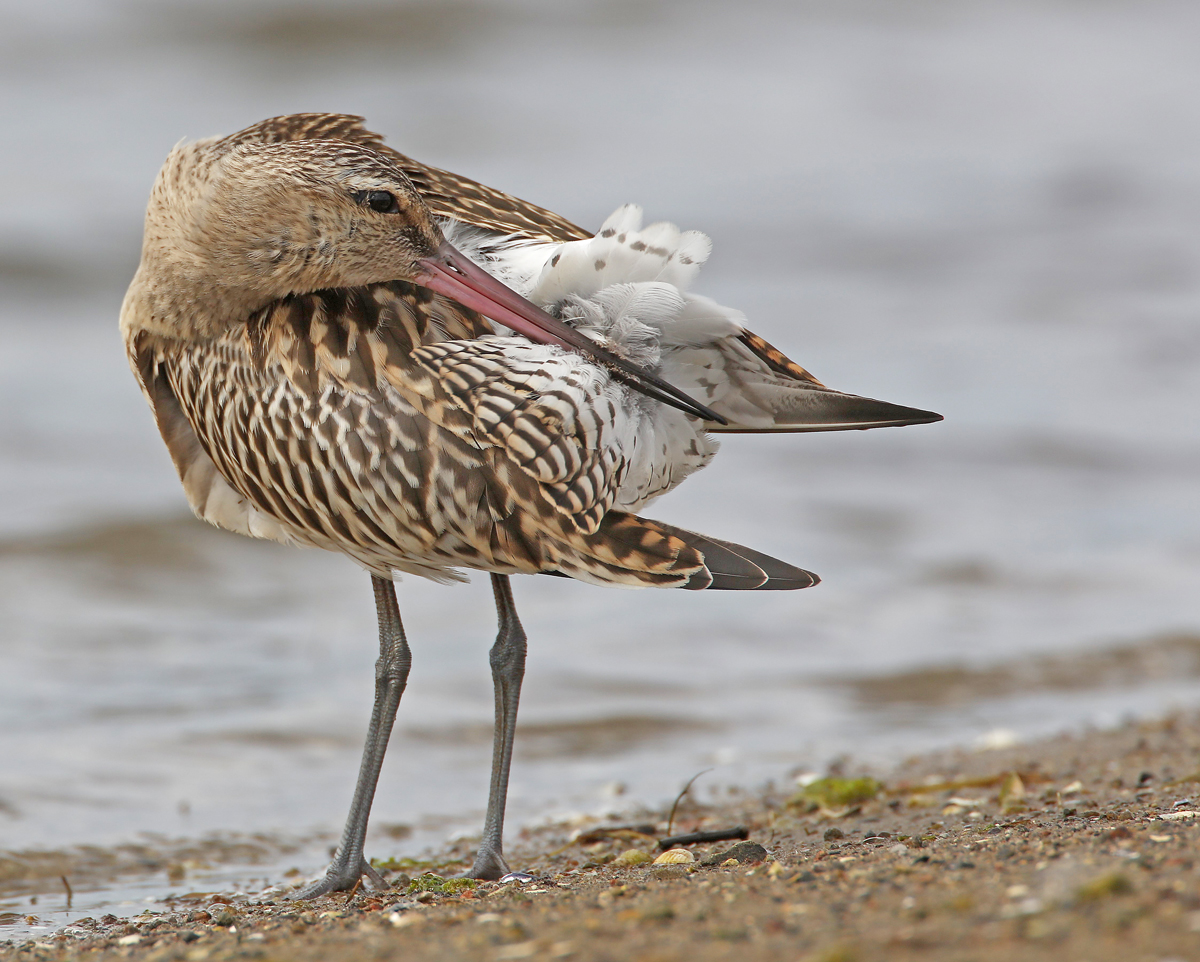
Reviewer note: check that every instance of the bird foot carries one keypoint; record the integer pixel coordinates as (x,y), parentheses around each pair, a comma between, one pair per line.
(341,878)
(489,866)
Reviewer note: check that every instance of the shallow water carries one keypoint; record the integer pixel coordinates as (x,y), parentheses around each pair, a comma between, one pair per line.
(984,209)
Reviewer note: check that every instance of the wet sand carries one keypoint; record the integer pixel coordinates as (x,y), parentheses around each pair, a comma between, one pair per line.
(1074,848)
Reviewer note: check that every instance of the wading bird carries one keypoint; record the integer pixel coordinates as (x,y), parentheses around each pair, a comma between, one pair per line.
(348,349)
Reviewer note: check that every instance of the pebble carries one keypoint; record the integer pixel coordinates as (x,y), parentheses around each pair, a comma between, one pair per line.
(744,853)
(522,877)
(520,950)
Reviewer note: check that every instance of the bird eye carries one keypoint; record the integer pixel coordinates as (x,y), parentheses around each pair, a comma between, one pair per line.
(378,200)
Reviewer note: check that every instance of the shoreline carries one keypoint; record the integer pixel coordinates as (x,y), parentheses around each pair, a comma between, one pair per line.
(1082,846)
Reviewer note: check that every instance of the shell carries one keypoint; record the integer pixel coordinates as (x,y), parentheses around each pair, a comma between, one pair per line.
(675,856)
(630,857)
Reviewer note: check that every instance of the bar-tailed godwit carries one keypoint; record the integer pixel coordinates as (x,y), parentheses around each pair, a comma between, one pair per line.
(345,348)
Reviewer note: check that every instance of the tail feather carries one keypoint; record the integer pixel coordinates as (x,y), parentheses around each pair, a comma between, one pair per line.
(725,569)
(801,407)
(777,395)
(780,576)
(635,551)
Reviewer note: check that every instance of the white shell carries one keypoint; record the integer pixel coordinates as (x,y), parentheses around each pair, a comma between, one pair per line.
(675,856)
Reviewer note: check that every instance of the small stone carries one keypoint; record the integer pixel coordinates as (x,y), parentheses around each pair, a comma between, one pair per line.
(831,834)
(519,950)
(129,940)
(521,877)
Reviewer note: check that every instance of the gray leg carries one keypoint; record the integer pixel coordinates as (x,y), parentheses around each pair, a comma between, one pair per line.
(508,669)
(391,675)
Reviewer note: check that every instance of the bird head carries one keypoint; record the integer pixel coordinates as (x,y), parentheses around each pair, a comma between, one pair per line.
(232,228)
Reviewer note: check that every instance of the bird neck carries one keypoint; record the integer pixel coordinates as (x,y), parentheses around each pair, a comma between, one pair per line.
(174,305)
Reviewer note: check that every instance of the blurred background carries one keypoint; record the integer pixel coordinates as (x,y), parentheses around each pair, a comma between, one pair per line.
(988,209)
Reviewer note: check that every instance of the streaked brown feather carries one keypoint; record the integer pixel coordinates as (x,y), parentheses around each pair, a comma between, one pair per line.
(410,472)
(775,359)
(552,440)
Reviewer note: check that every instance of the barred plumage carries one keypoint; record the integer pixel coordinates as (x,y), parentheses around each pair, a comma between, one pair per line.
(326,369)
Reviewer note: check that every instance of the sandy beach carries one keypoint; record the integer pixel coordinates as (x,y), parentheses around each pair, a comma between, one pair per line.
(1078,847)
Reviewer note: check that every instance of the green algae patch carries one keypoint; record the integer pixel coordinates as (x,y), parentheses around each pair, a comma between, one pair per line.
(1106,886)
(833,793)
(431,882)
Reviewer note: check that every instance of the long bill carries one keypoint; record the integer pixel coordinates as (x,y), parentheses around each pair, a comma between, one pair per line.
(449,272)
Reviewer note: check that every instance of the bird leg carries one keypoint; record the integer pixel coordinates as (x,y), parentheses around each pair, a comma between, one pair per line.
(508,669)
(391,676)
